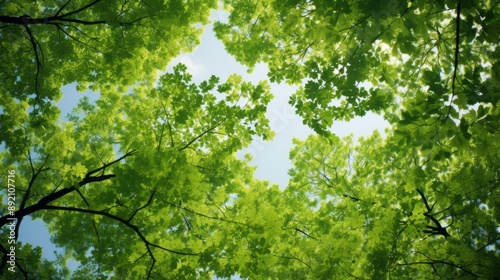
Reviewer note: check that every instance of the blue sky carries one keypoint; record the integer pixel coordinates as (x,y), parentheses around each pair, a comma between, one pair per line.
(271,158)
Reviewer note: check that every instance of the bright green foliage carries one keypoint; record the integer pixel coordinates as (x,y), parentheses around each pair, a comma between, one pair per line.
(99,44)
(158,210)
(363,205)
(351,57)
(144,183)
(36,266)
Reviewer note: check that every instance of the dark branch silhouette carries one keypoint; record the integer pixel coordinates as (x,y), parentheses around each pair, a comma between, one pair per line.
(179,206)
(201,135)
(432,262)
(42,204)
(355,199)
(455,62)
(294,258)
(57,20)
(432,230)
(58,194)
(149,245)
(297,229)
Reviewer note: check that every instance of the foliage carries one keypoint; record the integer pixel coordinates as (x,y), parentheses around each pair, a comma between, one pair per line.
(165,196)
(98,44)
(352,57)
(364,206)
(144,183)
(34,264)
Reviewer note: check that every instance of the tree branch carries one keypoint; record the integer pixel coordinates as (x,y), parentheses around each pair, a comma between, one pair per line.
(304,233)
(433,262)
(34,175)
(39,64)
(111,163)
(61,9)
(28,191)
(168,123)
(96,231)
(438,229)
(294,258)
(457,49)
(455,63)
(19,214)
(201,135)
(425,201)
(83,197)
(144,206)
(122,221)
(73,37)
(77,10)
(204,215)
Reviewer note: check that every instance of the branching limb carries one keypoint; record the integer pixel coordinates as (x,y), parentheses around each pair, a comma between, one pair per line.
(304,233)
(432,230)
(74,38)
(62,8)
(58,194)
(96,231)
(488,244)
(144,206)
(77,10)
(206,216)
(455,63)
(84,199)
(433,262)
(122,221)
(34,175)
(294,258)
(355,199)
(147,243)
(160,137)
(39,64)
(168,123)
(425,201)
(109,164)
(201,135)
(301,231)
(187,222)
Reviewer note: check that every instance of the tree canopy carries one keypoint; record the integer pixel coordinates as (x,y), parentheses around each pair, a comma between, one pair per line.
(351,57)
(144,183)
(101,45)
